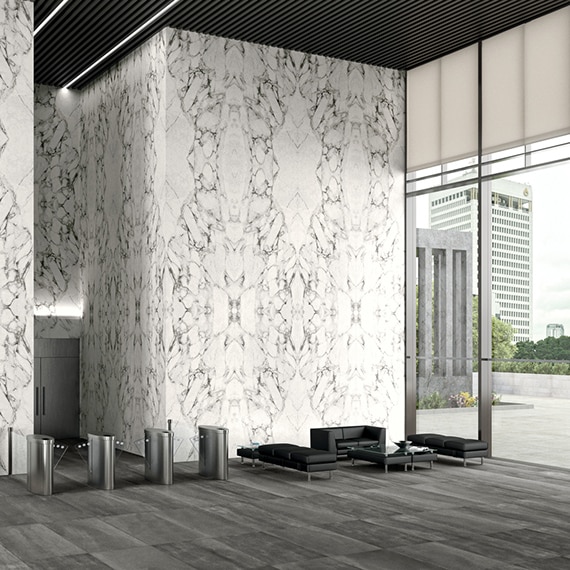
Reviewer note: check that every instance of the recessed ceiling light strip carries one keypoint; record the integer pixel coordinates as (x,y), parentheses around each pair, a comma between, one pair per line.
(122,42)
(50,16)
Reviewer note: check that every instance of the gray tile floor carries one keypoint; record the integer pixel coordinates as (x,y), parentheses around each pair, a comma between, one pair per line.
(497,515)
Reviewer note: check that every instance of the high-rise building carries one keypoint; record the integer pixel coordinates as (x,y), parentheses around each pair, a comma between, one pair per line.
(555,330)
(511,269)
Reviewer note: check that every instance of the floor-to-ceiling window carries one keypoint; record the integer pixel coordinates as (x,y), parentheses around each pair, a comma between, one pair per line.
(445,272)
(530,285)
(527,190)
(488,152)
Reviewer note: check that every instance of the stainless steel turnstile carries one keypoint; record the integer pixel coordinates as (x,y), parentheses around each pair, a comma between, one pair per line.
(159,455)
(101,461)
(40,464)
(213,452)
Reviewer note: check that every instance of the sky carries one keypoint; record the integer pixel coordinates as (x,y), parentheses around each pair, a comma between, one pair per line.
(551,247)
(551,244)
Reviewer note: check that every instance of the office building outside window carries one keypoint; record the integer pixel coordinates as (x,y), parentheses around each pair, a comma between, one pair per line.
(511,244)
(555,330)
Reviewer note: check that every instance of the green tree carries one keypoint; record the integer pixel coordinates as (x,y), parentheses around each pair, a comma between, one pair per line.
(551,348)
(525,349)
(502,335)
(502,339)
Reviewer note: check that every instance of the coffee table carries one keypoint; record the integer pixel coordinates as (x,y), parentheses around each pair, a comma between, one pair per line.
(391,455)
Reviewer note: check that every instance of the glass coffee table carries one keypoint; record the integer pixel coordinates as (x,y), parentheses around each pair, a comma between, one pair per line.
(392,455)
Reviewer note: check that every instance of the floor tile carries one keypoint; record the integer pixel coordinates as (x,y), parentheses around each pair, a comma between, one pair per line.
(77,562)
(203,523)
(149,528)
(142,558)
(214,554)
(557,563)
(35,542)
(324,542)
(95,535)
(268,548)
(325,563)
(448,555)
(386,560)
(9,560)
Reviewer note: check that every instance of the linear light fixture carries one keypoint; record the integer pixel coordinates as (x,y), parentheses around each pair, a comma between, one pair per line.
(61,311)
(50,16)
(122,42)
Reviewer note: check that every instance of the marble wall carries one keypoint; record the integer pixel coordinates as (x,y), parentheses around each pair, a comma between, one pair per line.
(58,199)
(122,163)
(16,227)
(284,228)
(241,241)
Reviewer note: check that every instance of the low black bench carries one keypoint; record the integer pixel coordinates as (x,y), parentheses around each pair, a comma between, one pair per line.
(452,446)
(296,457)
(248,452)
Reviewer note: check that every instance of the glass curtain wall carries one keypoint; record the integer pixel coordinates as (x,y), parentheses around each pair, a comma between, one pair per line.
(504,102)
(445,278)
(527,193)
(531,308)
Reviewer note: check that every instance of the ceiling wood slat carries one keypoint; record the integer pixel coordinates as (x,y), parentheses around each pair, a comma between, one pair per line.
(400,34)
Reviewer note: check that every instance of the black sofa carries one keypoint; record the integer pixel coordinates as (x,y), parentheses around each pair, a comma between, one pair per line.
(452,446)
(293,456)
(338,439)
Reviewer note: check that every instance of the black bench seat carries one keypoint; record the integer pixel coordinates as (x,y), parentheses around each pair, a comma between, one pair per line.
(248,453)
(296,457)
(452,446)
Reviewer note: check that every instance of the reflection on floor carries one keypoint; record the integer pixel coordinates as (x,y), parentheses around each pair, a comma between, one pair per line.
(498,515)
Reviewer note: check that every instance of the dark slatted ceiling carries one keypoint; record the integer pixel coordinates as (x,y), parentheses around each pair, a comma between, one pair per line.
(400,34)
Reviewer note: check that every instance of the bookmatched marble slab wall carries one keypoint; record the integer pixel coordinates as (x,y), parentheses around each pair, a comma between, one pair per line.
(16,222)
(122,149)
(241,241)
(284,225)
(58,205)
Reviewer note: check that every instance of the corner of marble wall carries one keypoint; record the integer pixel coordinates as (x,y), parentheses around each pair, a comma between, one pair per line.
(123,172)
(16,239)
(241,241)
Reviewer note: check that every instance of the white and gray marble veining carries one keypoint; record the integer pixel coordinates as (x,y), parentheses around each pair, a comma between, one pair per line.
(16,223)
(52,326)
(122,161)
(57,194)
(286,248)
(241,241)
